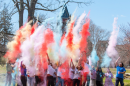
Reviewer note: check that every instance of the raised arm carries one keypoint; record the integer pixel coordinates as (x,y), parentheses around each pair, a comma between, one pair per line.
(117,61)
(58,64)
(21,64)
(48,59)
(97,66)
(71,63)
(103,75)
(13,65)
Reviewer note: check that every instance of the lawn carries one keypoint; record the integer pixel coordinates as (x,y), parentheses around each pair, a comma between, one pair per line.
(2,69)
(126,82)
(113,70)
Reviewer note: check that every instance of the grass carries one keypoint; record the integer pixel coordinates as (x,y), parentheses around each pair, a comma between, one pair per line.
(126,82)
(2,69)
(113,70)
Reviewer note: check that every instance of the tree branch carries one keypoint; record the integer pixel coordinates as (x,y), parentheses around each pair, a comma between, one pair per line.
(42,5)
(23,3)
(15,2)
(11,14)
(27,3)
(85,3)
(47,9)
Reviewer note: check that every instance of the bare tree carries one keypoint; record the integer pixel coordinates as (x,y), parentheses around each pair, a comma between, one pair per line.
(98,38)
(97,33)
(5,25)
(0,3)
(20,7)
(123,46)
(5,30)
(46,5)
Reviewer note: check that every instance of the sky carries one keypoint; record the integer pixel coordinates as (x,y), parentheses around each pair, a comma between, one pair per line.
(102,12)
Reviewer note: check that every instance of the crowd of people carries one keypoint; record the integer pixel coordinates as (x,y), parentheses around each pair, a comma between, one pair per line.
(18,74)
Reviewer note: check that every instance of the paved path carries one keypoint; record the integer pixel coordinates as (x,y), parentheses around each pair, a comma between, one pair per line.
(2,79)
(2,84)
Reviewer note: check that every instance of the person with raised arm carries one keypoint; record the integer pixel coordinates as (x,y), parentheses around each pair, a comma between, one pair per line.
(71,74)
(30,74)
(100,75)
(50,73)
(54,75)
(23,74)
(120,72)
(59,75)
(87,71)
(93,77)
(38,75)
(77,75)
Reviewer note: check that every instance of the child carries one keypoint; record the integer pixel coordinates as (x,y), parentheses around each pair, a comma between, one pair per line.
(109,76)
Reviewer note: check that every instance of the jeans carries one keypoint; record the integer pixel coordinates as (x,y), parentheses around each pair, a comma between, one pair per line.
(54,78)
(50,81)
(30,81)
(24,80)
(88,80)
(76,81)
(119,80)
(8,79)
(13,81)
(60,80)
(38,80)
(99,83)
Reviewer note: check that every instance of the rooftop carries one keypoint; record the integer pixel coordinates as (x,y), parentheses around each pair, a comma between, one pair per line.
(66,13)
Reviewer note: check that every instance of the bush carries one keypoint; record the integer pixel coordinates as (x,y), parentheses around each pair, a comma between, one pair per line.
(2,61)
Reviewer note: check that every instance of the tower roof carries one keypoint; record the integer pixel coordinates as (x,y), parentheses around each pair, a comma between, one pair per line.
(65,14)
